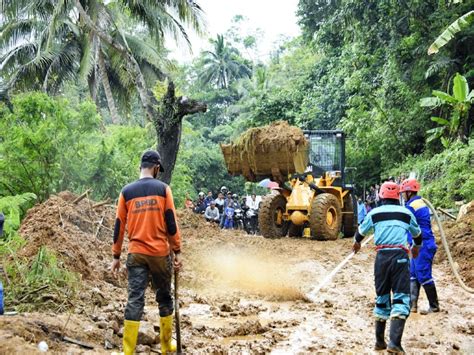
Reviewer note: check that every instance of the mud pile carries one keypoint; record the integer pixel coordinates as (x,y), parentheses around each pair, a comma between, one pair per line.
(460,236)
(78,233)
(272,151)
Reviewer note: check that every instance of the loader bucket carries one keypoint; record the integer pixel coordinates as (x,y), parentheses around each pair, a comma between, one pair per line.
(272,151)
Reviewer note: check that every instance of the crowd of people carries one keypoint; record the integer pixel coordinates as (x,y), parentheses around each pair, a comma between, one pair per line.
(371,198)
(222,210)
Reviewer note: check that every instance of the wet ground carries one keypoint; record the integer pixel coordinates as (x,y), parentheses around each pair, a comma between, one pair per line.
(244,294)
(255,302)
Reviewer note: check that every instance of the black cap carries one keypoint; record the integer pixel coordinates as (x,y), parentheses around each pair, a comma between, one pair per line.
(152,156)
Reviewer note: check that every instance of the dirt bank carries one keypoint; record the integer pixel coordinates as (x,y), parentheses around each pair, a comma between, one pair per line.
(460,236)
(241,294)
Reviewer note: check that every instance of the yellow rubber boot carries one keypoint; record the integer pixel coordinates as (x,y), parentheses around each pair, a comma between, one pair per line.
(130,335)
(168,345)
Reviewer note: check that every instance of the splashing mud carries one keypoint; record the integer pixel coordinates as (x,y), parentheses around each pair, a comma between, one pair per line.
(255,274)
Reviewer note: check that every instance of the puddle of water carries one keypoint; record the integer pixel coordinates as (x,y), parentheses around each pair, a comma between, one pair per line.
(196,309)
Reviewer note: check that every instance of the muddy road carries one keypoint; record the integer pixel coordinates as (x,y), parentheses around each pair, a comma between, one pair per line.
(247,294)
(244,294)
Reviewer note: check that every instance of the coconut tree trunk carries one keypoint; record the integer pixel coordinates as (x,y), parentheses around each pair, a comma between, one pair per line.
(147,99)
(93,77)
(104,78)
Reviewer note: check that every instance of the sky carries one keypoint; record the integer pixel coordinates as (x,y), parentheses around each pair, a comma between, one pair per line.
(274,17)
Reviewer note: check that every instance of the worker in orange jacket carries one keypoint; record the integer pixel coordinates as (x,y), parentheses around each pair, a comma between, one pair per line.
(146,207)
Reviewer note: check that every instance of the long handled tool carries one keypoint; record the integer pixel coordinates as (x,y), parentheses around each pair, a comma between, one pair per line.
(176,314)
(446,248)
(312,294)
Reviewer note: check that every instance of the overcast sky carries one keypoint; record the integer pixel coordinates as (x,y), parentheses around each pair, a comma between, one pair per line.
(274,17)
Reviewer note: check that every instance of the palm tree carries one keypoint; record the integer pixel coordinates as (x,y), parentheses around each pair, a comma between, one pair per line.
(61,40)
(60,50)
(223,65)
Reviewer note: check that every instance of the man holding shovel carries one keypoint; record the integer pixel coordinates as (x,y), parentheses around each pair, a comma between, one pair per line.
(390,223)
(146,207)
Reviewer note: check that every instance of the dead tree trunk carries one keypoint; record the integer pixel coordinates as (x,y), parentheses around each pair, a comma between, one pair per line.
(168,124)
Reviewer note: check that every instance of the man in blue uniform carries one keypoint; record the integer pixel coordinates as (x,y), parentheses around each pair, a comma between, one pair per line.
(390,223)
(421,267)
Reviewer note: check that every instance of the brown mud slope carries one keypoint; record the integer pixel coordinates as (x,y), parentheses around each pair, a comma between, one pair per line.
(460,236)
(245,294)
(272,151)
(72,231)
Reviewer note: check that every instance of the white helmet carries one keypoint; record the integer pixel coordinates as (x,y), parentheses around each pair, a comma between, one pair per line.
(201,194)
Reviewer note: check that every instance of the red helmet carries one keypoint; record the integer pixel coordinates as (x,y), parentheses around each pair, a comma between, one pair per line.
(410,185)
(389,190)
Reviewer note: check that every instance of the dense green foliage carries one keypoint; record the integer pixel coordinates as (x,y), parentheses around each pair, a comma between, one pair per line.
(359,66)
(13,208)
(459,103)
(45,44)
(49,146)
(445,177)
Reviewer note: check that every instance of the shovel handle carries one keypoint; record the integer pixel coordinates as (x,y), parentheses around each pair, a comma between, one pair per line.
(176,314)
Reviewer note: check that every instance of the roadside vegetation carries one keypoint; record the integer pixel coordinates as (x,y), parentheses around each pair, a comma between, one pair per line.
(86,86)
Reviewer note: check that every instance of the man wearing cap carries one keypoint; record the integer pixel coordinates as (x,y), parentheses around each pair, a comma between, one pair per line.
(146,207)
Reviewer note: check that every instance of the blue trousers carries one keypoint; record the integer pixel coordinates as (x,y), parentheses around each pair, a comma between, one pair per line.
(392,278)
(229,223)
(421,267)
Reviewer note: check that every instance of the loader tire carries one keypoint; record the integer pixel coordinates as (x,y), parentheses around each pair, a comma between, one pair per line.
(326,218)
(295,231)
(349,221)
(267,216)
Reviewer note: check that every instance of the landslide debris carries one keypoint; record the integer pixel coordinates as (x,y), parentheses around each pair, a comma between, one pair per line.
(272,151)
(79,234)
(460,237)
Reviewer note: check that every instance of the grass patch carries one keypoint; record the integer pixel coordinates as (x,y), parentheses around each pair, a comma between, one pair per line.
(40,283)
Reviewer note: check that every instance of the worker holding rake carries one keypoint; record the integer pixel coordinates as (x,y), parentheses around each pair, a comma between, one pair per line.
(390,223)
(146,207)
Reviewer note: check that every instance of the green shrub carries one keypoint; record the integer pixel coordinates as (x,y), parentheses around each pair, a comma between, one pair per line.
(37,284)
(445,177)
(14,207)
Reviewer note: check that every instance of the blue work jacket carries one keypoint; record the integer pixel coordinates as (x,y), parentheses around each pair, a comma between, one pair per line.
(390,224)
(422,214)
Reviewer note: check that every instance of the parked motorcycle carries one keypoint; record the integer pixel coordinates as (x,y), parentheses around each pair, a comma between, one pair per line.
(251,221)
(239,219)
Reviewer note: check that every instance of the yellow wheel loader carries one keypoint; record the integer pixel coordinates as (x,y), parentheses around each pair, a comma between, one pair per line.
(313,200)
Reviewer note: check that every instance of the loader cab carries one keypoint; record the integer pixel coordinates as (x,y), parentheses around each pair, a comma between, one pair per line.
(327,154)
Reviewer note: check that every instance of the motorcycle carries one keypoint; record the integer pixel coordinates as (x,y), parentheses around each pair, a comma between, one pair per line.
(251,221)
(238,219)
